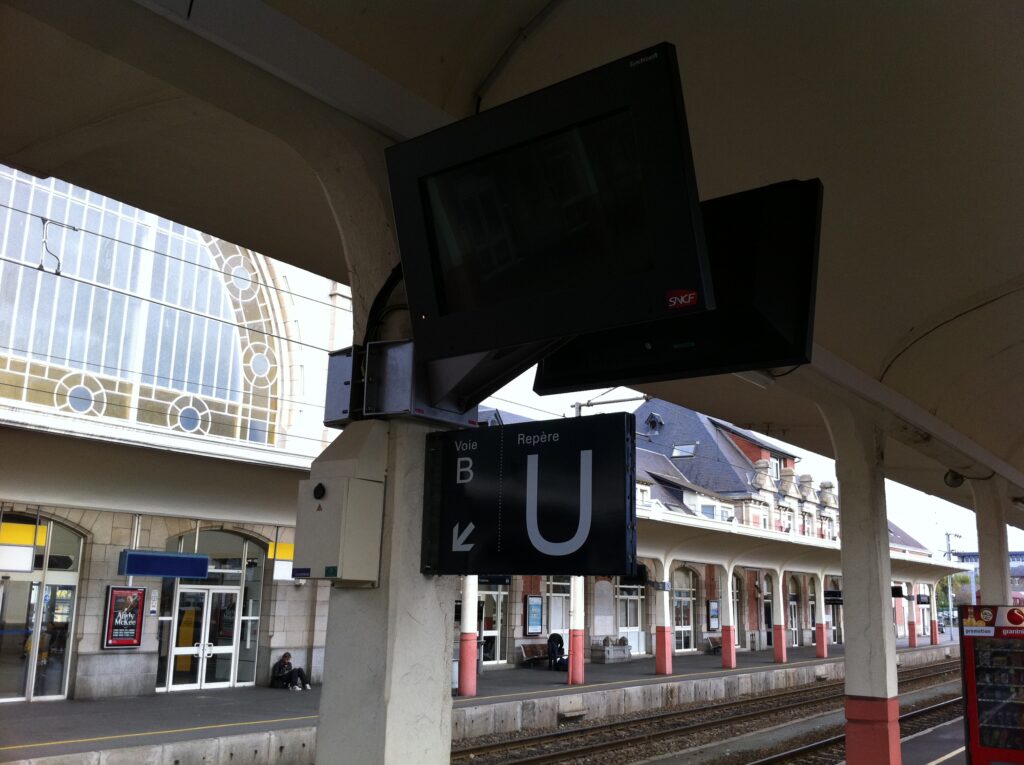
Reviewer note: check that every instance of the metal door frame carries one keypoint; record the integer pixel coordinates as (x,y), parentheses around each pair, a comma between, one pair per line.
(203,649)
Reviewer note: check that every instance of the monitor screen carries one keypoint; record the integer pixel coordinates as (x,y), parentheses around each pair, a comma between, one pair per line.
(523,220)
(569,210)
(763,246)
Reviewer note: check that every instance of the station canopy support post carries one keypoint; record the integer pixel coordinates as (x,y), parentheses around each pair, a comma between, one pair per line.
(779,615)
(468,635)
(577,622)
(387,666)
(663,632)
(821,631)
(728,621)
(872,701)
(990,509)
(912,614)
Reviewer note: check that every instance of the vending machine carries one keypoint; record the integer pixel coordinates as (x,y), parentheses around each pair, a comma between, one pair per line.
(992,656)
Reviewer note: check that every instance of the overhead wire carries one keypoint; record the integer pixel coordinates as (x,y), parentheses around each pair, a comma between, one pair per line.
(48,221)
(162,304)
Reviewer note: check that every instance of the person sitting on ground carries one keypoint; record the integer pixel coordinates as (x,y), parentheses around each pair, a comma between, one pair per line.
(284,675)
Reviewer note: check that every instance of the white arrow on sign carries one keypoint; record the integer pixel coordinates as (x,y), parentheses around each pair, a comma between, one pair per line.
(459,540)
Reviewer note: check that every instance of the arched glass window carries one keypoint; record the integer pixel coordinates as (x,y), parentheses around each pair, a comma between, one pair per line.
(149,323)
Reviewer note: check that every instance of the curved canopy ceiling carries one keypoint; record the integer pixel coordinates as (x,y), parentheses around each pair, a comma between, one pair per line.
(910,113)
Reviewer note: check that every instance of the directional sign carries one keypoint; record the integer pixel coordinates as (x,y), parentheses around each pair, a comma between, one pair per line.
(554,497)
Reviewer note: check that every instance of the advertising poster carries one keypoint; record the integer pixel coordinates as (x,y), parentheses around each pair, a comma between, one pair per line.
(534,615)
(714,620)
(123,628)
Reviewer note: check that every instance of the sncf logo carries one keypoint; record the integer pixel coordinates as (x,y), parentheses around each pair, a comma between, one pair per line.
(681,298)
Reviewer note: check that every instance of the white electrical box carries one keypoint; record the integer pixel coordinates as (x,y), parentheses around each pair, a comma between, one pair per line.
(340,509)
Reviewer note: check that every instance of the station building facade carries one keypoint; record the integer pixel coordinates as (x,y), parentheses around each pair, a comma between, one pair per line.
(713,501)
(162,390)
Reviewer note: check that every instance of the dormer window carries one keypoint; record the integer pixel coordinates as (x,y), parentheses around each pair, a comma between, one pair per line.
(684,450)
(654,423)
(775,468)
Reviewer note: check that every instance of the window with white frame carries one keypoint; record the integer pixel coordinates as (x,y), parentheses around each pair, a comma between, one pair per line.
(630,605)
(556,592)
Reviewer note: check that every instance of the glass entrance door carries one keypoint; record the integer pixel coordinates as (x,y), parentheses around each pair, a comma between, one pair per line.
(794,624)
(683,598)
(204,646)
(493,629)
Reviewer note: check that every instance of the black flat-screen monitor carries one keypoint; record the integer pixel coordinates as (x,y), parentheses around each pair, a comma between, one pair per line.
(763,247)
(569,210)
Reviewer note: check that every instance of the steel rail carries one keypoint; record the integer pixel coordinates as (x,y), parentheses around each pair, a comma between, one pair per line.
(816,746)
(909,675)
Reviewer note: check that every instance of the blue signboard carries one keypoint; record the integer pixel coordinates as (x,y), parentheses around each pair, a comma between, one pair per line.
(156,563)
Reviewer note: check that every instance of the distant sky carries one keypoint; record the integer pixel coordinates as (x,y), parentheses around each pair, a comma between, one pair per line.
(923,516)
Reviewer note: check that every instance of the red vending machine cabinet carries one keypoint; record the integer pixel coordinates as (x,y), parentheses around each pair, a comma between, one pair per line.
(992,652)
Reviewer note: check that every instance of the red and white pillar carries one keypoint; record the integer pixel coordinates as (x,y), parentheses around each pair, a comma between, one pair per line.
(780,612)
(821,631)
(663,632)
(576,626)
(728,621)
(935,631)
(872,699)
(912,615)
(468,636)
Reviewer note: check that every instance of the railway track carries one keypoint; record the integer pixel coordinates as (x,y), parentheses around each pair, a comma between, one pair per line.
(691,726)
(832,749)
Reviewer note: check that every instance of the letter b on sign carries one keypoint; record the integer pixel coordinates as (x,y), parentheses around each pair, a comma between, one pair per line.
(463,470)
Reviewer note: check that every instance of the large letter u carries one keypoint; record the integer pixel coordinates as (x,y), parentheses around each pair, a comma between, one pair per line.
(583,526)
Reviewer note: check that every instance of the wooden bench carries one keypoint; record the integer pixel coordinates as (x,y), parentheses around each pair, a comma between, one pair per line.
(532,653)
(714,644)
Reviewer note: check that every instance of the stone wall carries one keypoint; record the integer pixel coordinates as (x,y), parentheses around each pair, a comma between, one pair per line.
(293,617)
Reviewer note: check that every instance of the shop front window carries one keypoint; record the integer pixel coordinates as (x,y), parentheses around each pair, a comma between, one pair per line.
(37,608)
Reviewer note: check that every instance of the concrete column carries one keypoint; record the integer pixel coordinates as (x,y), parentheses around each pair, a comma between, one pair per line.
(872,704)
(663,632)
(468,636)
(912,614)
(728,621)
(387,689)
(821,632)
(780,613)
(576,626)
(990,509)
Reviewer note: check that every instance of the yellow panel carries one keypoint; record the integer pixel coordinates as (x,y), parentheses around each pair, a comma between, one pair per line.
(287,551)
(21,534)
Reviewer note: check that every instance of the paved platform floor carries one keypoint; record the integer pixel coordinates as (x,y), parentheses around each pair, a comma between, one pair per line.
(48,728)
(40,729)
(943,744)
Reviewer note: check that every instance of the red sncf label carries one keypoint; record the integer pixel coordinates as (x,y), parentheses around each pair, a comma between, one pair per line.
(681,298)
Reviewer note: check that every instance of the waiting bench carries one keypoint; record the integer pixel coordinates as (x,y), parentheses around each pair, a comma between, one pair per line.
(714,644)
(532,653)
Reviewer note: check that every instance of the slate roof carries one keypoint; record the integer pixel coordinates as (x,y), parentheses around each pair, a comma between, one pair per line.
(486,416)
(900,538)
(716,463)
(667,483)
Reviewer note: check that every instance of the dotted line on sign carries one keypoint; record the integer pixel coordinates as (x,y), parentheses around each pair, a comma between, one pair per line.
(501,466)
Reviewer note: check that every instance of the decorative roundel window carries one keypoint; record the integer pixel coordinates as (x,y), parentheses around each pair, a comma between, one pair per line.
(260,364)
(189,414)
(80,393)
(242,282)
